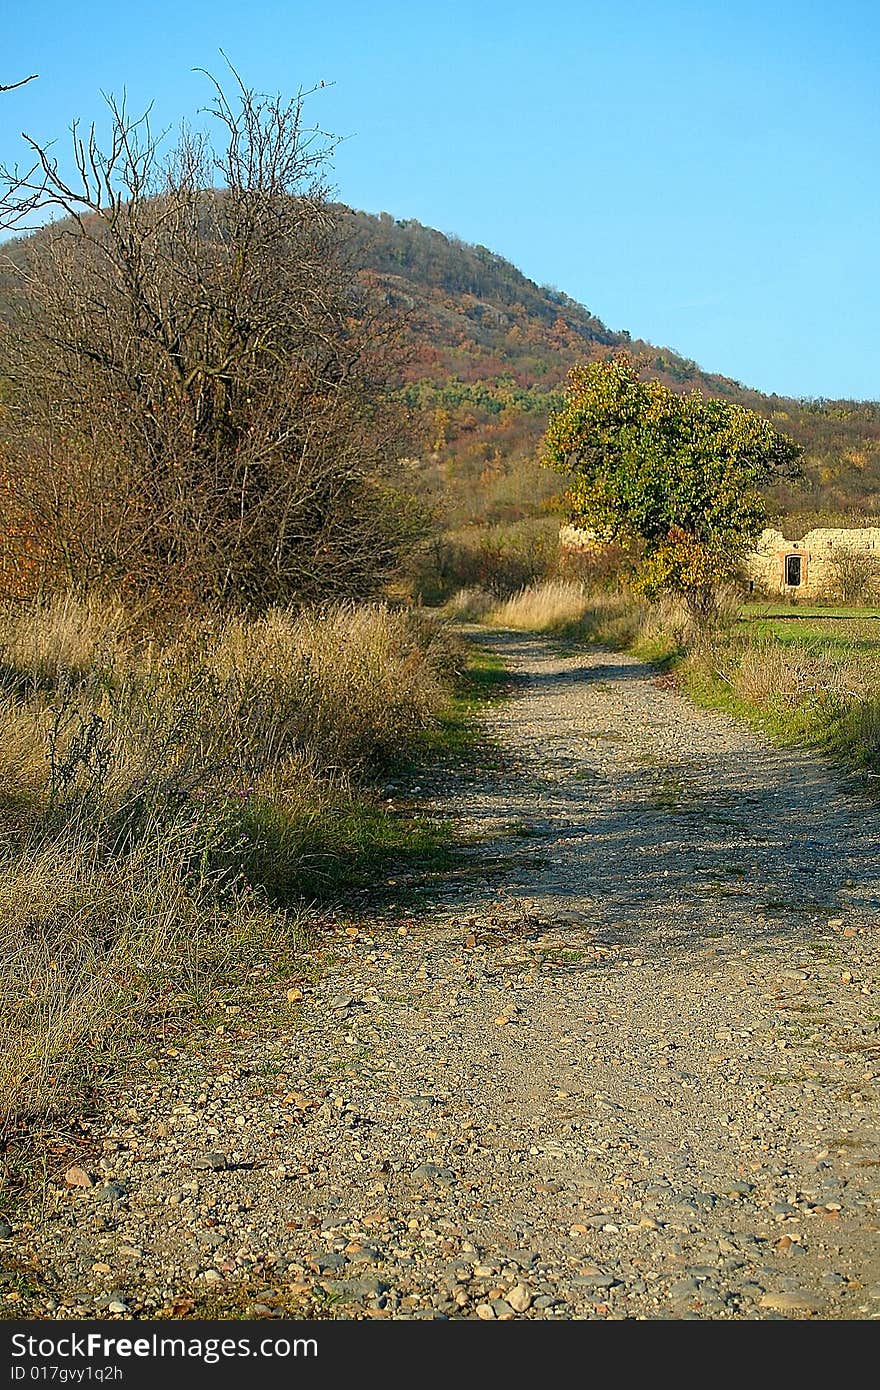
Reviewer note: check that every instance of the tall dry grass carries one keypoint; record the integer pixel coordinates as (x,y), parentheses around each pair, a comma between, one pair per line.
(550,606)
(61,638)
(167,805)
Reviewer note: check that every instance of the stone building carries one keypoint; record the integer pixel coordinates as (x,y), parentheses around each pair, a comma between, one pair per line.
(811,566)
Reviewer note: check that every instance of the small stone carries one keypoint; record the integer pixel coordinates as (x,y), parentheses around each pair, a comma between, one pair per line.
(111,1192)
(211,1162)
(324,1262)
(684,1288)
(78,1177)
(502,1309)
(117,1305)
(432,1172)
(594,1279)
(519,1298)
(5,1229)
(485,1311)
(794,1301)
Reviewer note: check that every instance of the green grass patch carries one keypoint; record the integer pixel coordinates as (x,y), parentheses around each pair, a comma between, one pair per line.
(456,733)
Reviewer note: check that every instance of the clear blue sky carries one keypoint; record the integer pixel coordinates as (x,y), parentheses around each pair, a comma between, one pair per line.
(704,175)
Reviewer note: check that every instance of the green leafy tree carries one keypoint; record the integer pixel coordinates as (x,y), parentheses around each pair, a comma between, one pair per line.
(679,478)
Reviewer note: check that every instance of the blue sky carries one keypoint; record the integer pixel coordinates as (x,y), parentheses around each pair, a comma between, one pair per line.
(704,175)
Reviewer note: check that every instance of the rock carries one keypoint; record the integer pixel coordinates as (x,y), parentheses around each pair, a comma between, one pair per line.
(5,1229)
(432,1172)
(519,1298)
(356,1288)
(502,1308)
(323,1262)
(684,1288)
(212,1162)
(111,1192)
(793,1301)
(594,1279)
(366,1254)
(78,1177)
(117,1305)
(485,1311)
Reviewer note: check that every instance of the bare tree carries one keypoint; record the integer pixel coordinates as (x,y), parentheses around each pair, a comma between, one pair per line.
(855,574)
(13,206)
(196,398)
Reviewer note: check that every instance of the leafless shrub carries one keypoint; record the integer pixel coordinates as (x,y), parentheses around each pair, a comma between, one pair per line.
(855,574)
(197,405)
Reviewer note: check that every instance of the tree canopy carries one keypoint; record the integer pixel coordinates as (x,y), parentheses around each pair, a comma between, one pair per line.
(680,478)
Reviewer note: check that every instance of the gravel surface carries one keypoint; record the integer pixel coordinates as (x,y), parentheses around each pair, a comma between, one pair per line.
(626,1066)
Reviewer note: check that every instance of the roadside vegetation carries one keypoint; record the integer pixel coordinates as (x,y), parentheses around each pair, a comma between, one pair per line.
(807,678)
(210,680)
(174,806)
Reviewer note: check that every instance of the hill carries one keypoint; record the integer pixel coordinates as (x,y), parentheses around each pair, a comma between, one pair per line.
(485,354)
(488,353)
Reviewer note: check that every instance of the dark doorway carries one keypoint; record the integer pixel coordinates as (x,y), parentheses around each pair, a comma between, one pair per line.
(793,570)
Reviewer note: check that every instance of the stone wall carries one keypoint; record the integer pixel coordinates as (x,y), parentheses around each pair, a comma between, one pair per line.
(780,566)
(775,561)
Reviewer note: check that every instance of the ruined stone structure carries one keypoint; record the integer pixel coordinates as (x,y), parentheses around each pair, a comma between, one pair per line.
(809,566)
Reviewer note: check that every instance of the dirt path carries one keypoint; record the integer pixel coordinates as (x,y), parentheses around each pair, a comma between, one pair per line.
(630,1071)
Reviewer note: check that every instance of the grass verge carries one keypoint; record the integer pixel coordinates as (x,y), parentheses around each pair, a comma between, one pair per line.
(174,806)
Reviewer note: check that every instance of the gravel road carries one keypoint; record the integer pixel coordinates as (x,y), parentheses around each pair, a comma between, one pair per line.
(627,1065)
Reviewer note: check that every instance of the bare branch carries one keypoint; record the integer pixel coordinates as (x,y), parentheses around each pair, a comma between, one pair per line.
(14,86)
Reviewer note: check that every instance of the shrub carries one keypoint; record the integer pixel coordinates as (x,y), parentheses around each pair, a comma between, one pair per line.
(855,575)
(501,558)
(197,380)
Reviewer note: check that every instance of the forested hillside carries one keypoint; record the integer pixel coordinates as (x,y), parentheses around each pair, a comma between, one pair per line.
(484,353)
(488,350)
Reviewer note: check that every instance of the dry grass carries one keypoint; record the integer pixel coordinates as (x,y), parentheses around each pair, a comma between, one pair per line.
(98,954)
(168,804)
(551,606)
(817,682)
(471,605)
(61,638)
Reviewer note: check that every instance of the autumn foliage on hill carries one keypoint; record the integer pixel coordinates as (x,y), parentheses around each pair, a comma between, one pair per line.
(488,355)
